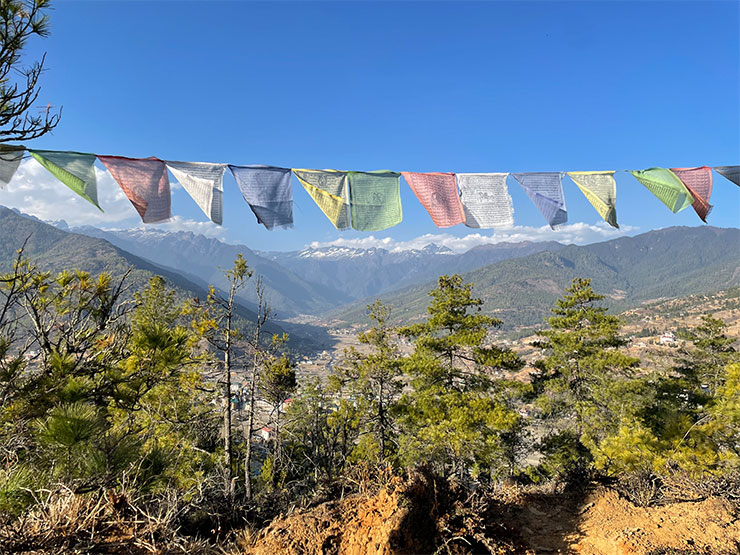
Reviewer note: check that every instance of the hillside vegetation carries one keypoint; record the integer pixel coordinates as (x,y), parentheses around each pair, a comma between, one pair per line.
(54,250)
(671,262)
(119,420)
(202,259)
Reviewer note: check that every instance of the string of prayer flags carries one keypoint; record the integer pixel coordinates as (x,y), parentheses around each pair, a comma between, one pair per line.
(375,200)
(268,192)
(10,158)
(204,183)
(364,200)
(485,199)
(729,172)
(699,183)
(146,184)
(437,192)
(665,185)
(600,189)
(328,189)
(75,169)
(545,190)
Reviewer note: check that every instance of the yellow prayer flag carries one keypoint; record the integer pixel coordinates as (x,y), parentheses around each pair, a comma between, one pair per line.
(601,191)
(328,189)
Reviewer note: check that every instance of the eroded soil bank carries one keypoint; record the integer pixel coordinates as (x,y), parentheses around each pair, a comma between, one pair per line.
(427,517)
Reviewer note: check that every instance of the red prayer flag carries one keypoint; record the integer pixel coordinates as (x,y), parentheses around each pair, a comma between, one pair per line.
(438,193)
(145,182)
(699,183)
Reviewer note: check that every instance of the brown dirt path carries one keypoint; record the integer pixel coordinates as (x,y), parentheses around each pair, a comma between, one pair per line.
(598,522)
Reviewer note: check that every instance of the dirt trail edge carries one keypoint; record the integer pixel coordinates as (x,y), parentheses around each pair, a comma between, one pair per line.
(427,516)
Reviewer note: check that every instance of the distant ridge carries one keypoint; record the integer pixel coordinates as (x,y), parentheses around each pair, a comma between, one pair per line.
(360,273)
(312,281)
(670,262)
(55,249)
(202,258)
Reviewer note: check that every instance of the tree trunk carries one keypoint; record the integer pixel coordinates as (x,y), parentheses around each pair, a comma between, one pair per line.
(250,427)
(228,455)
(263,313)
(381,422)
(278,448)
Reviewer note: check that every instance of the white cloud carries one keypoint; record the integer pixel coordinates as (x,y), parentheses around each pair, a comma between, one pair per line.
(577,233)
(33,190)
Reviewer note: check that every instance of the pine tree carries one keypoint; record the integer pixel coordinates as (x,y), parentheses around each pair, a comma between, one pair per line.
(259,356)
(215,322)
(320,433)
(461,408)
(277,385)
(112,390)
(582,385)
(724,425)
(373,384)
(695,409)
(13,344)
(77,322)
(162,399)
(703,364)
(21,20)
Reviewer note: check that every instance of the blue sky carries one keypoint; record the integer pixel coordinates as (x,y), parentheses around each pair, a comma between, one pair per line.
(483,86)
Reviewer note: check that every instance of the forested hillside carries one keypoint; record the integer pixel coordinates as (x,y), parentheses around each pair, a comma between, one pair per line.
(670,262)
(156,418)
(55,250)
(202,259)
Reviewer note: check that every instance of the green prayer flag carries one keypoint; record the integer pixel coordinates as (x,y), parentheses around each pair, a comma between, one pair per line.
(375,200)
(328,188)
(75,169)
(667,186)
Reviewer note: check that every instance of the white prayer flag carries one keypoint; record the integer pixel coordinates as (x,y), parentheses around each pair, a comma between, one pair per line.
(10,158)
(204,183)
(485,199)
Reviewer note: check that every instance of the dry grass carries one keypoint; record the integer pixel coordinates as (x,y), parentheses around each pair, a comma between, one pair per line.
(62,521)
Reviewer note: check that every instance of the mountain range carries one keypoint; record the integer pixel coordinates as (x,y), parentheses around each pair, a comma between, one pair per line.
(54,249)
(519,282)
(360,273)
(312,281)
(203,260)
(671,262)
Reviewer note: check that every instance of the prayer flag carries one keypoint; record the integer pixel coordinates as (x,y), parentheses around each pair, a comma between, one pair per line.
(75,169)
(545,189)
(485,199)
(204,183)
(665,185)
(437,192)
(145,183)
(268,192)
(375,200)
(729,172)
(699,183)
(328,188)
(10,158)
(601,191)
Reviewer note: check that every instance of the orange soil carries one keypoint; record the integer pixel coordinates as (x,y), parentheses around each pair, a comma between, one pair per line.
(598,522)
(355,526)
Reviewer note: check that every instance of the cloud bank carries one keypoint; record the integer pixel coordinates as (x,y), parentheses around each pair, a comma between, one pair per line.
(33,190)
(577,233)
